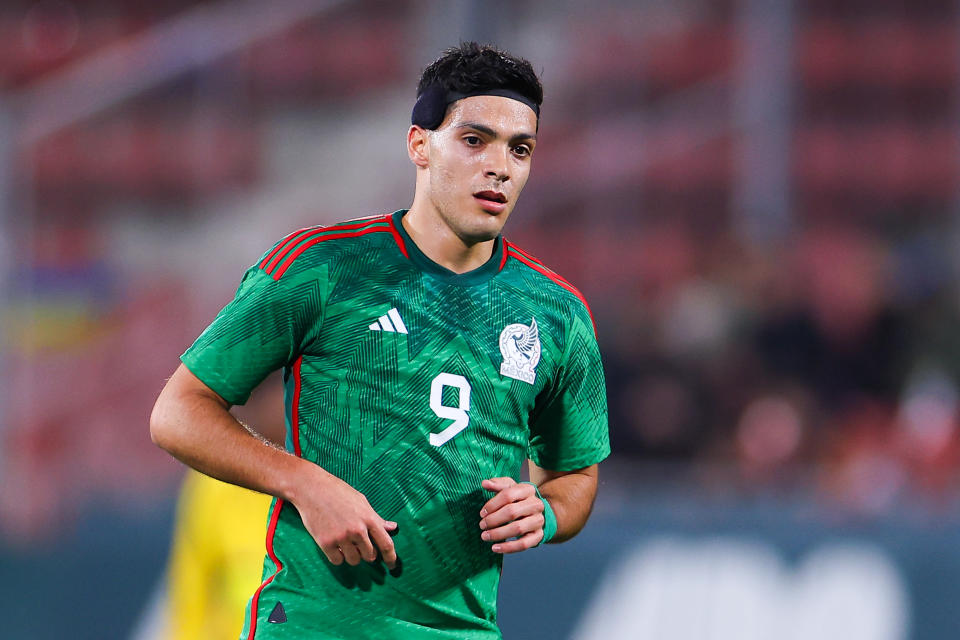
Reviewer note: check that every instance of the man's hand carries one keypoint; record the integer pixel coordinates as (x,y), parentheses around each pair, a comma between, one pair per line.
(343,523)
(514,512)
(194,424)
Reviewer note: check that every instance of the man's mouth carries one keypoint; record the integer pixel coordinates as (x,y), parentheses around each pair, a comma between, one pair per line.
(495,196)
(491,196)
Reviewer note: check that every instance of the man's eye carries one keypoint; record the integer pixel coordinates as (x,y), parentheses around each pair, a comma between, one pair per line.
(522,150)
(472,140)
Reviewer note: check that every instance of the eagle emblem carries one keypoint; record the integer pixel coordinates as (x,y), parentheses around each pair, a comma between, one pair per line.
(520,348)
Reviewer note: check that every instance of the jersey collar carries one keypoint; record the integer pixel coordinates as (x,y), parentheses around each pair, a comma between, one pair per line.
(477,276)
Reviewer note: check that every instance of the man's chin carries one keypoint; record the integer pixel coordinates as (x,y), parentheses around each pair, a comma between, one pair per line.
(476,226)
(487,226)
(475,236)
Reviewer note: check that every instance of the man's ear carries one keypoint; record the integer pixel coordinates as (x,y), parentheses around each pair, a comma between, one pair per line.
(418,146)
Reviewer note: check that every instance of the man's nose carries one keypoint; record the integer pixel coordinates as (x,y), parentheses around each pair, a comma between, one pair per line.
(498,164)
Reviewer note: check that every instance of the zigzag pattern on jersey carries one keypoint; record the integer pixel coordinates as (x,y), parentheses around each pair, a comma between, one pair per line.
(292,247)
(583,400)
(369,362)
(513,251)
(354,354)
(301,298)
(590,391)
(528,300)
(360,349)
(456,499)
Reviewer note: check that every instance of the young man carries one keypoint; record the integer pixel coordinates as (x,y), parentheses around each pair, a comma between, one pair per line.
(425,358)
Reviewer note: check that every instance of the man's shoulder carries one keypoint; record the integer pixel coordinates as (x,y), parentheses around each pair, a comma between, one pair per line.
(310,246)
(543,278)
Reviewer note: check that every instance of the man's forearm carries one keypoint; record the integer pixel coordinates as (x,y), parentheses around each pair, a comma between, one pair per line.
(570,495)
(195,426)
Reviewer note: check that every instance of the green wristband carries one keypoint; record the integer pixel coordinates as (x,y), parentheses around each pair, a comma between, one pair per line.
(549,517)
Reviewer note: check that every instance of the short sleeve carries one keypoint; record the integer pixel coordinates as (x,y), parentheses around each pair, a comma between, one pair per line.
(262,329)
(569,427)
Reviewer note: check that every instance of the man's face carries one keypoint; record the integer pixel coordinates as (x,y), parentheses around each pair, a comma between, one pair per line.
(479,161)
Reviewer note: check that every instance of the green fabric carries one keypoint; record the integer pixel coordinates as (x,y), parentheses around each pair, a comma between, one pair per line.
(370,401)
(477,276)
(549,517)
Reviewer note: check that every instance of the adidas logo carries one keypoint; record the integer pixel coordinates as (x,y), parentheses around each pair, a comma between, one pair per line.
(390,322)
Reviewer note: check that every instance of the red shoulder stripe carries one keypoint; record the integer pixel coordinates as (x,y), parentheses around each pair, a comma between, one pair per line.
(518,252)
(560,281)
(398,238)
(279,271)
(283,243)
(510,245)
(297,237)
(255,601)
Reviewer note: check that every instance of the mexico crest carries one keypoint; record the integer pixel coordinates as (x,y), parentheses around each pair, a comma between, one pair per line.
(520,347)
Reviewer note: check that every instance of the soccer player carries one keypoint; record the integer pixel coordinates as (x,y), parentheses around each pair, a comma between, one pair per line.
(424,358)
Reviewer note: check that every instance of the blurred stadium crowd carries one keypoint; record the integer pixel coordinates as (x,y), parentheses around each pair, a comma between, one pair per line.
(759,199)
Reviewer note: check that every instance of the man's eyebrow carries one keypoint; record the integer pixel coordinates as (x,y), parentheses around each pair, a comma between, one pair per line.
(482,128)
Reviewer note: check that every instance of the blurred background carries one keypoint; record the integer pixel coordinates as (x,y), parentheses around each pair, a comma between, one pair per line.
(759,198)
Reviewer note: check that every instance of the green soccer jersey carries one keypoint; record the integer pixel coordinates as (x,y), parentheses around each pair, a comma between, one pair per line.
(412,384)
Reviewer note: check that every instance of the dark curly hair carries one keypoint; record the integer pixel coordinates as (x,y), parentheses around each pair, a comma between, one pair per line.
(474,67)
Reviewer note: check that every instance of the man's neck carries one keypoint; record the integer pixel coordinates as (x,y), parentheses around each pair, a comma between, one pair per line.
(439,243)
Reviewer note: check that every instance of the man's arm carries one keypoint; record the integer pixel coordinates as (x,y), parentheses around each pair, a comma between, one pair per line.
(570,494)
(193,424)
(516,511)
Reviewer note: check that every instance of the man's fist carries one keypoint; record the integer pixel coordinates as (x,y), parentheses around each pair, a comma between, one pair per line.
(514,512)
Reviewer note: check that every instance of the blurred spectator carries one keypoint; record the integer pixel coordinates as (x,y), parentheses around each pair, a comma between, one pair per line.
(839,335)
